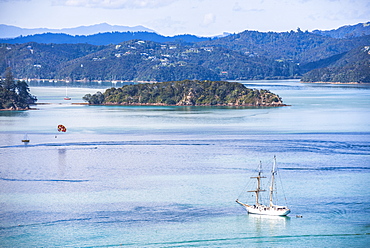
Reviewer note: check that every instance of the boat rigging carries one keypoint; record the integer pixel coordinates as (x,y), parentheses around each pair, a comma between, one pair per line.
(262,209)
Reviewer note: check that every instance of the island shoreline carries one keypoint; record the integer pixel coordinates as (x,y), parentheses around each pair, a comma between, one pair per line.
(175,105)
(322,82)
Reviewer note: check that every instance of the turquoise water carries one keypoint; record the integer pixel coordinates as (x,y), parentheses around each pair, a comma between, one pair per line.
(169,176)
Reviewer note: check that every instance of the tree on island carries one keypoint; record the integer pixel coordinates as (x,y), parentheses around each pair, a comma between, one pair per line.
(14,95)
(97,98)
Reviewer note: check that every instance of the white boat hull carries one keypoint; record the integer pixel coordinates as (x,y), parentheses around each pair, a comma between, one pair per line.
(267,211)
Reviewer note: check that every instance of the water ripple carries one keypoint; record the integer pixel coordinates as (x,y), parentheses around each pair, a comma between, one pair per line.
(44,180)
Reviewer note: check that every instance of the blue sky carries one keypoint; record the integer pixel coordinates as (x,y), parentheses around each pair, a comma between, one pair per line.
(199,17)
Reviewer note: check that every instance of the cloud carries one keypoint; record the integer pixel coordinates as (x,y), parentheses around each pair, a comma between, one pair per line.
(167,25)
(237,7)
(114,4)
(208,19)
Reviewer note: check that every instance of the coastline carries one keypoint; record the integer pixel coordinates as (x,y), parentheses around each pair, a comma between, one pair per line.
(322,82)
(156,104)
(187,105)
(18,109)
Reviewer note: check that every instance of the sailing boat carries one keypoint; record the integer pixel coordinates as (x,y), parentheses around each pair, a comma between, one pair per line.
(25,139)
(259,208)
(67,97)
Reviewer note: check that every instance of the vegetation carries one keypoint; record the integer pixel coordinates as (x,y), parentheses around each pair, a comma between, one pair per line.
(14,95)
(40,61)
(249,55)
(347,31)
(186,92)
(139,60)
(351,67)
(300,47)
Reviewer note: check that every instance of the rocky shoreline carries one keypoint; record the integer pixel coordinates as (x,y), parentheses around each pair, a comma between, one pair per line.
(18,109)
(189,105)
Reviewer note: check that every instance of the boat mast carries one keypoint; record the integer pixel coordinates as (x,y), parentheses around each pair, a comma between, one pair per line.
(273,173)
(258,189)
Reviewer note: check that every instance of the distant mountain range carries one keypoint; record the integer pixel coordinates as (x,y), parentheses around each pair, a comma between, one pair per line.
(102,38)
(7,31)
(13,34)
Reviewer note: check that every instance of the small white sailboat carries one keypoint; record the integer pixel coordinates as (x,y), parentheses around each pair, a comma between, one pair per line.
(259,208)
(67,97)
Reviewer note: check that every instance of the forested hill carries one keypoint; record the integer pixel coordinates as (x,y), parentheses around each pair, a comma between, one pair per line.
(244,56)
(138,60)
(186,93)
(350,67)
(301,47)
(348,31)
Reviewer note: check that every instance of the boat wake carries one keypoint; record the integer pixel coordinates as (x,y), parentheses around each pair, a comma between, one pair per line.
(96,144)
(44,180)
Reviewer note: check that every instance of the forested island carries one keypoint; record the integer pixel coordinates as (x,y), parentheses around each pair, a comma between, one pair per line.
(14,95)
(186,93)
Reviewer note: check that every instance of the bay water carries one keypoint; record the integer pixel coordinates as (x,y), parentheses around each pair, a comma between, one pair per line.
(166,176)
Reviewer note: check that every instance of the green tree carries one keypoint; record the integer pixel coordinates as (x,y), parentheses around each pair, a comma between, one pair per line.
(24,96)
(97,98)
(14,95)
(8,82)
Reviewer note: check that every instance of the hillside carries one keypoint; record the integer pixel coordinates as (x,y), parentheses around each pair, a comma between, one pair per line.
(300,47)
(350,67)
(138,60)
(347,31)
(247,55)
(186,93)
(34,60)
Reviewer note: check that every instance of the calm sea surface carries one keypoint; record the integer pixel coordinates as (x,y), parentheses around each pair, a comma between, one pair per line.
(169,176)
